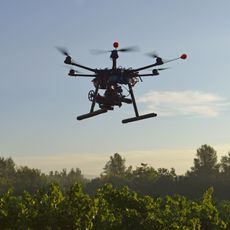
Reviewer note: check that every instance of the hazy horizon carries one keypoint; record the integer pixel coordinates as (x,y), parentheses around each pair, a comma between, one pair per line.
(93,164)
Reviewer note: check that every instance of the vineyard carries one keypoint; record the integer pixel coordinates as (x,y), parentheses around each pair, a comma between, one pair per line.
(110,208)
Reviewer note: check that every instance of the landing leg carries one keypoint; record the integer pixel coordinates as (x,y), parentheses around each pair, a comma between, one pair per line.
(94,99)
(138,117)
(88,115)
(133,99)
(92,113)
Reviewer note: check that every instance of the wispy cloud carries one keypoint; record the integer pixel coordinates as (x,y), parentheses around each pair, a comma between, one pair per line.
(184,103)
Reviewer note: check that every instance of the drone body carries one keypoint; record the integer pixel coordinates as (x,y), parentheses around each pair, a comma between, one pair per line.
(111,82)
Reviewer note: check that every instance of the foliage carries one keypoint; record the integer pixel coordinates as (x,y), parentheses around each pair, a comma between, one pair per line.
(7,173)
(225,164)
(206,161)
(121,198)
(66,179)
(115,166)
(23,178)
(110,208)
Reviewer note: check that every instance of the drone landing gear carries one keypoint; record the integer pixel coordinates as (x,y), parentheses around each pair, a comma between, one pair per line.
(92,97)
(91,114)
(137,117)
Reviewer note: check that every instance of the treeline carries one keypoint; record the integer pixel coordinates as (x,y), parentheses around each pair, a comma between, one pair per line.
(120,198)
(206,172)
(23,178)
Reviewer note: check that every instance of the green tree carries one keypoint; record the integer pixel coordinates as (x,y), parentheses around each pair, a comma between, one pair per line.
(115,166)
(7,173)
(143,178)
(30,180)
(225,164)
(224,210)
(208,213)
(122,209)
(166,182)
(77,211)
(67,179)
(45,214)
(7,166)
(109,209)
(206,161)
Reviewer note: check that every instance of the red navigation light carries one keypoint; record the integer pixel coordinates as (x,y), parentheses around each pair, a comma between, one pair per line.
(183,56)
(115,45)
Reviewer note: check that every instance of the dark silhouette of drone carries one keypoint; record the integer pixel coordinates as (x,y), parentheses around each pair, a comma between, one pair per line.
(110,81)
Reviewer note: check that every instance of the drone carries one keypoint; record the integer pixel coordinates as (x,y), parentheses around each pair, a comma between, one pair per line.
(111,81)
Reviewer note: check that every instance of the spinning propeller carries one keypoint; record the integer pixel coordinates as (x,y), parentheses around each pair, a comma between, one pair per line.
(154,54)
(156,71)
(65,52)
(116,45)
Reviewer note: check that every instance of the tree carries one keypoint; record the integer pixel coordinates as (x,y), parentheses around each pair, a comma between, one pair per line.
(7,173)
(7,166)
(27,179)
(206,161)
(225,164)
(143,178)
(66,180)
(115,166)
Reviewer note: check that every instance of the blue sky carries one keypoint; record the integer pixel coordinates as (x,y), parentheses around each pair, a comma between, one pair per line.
(39,103)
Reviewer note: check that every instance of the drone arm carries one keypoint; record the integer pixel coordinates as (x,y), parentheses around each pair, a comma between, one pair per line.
(159,61)
(69,62)
(146,67)
(84,67)
(146,75)
(82,75)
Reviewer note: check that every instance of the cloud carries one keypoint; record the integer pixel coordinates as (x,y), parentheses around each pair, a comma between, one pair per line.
(184,103)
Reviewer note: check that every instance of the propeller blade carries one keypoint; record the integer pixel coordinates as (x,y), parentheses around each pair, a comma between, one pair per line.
(71,69)
(63,50)
(163,68)
(72,72)
(155,71)
(95,52)
(153,54)
(129,49)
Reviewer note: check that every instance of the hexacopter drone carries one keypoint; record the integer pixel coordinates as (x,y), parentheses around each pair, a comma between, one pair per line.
(110,81)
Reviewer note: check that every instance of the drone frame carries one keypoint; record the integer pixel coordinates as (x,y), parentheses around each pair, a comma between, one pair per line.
(114,56)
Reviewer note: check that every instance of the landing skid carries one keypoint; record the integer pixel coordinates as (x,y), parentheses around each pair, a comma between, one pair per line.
(137,117)
(91,114)
(149,115)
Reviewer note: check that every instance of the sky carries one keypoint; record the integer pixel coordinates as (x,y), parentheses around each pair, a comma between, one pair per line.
(39,103)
